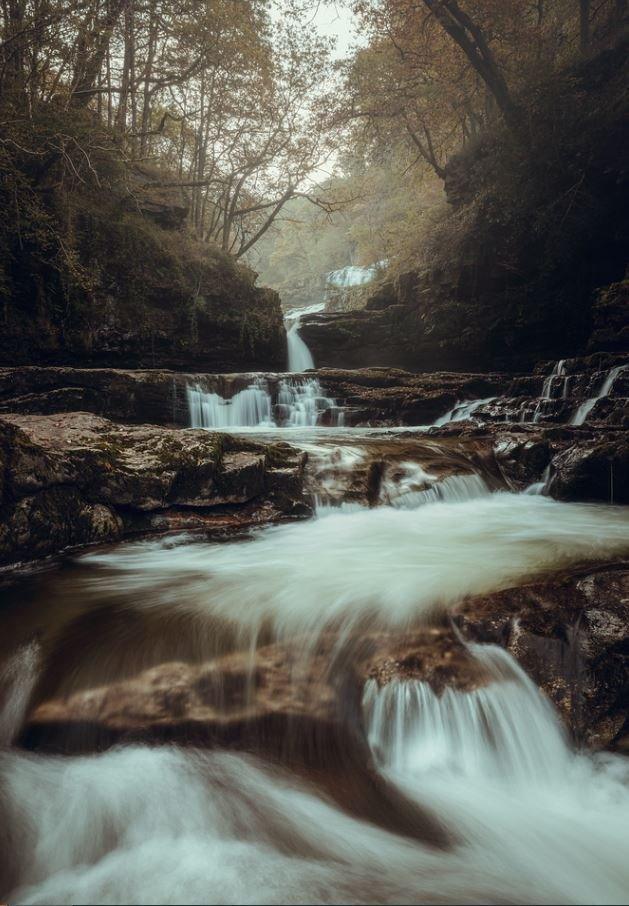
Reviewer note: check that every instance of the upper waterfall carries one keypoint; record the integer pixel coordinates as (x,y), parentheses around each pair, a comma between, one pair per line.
(299,356)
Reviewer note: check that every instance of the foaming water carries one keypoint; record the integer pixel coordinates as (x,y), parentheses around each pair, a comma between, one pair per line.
(581,414)
(406,491)
(299,356)
(504,730)
(304,577)
(495,764)
(462,411)
(298,404)
(527,820)
(17,680)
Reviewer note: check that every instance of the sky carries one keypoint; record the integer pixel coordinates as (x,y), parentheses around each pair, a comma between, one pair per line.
(332,20)
(335,20)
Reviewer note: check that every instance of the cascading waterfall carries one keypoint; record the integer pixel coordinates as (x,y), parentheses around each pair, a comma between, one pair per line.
(414,524)
(299,356)
(300,403)
(586,407)
(338,571)
(520,817)
(505,729)
(462,411)
(495,765)
(251,407)
(354,275)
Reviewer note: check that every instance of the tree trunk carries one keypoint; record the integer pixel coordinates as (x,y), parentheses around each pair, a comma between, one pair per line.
(91,57)
(474,45)
(125,80)
(584,25)
(145,138)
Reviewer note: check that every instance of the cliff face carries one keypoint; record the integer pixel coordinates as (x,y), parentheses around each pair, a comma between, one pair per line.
(518,271)
(106,275)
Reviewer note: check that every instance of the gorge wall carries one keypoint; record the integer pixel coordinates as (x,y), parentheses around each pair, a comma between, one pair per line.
(102,271)
(531,262)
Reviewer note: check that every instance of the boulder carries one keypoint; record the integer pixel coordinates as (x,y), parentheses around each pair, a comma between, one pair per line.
(597,470)
(76,478)
(570,635)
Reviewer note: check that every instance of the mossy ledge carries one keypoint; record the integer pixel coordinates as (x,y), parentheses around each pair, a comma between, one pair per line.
(73,479)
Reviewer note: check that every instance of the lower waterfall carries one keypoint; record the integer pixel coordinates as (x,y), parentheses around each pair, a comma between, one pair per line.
(524,819)
(298,403)
(410,791)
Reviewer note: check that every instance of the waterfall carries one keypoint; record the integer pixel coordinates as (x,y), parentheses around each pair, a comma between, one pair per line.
(354,275)
(251,407)
(548,391)
(586,407)
(299,403)
(504,729)
(559,371)
(462,411)
(538,487)
(388,565)
(299,356)
(405,491)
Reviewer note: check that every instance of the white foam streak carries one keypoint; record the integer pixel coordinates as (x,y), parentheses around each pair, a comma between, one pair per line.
(580,416)
(302,578)
(17,680)
(494,764)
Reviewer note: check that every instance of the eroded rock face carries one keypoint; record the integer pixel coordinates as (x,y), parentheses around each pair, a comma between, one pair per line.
(597,470)
(76,478)
(570,635)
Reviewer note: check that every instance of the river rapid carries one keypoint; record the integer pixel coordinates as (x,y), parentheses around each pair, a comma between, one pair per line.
(470,794)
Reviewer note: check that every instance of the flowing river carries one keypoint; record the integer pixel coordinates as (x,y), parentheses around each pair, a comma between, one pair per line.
(368,791)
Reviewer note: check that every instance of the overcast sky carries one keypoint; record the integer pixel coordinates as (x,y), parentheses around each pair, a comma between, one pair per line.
(334,20)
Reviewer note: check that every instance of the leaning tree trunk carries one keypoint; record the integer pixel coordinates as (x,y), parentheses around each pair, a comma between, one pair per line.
(472,41)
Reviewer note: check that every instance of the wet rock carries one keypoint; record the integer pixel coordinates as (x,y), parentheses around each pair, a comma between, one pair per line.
(435,656)
(570,634)
(76,478)
(597,470)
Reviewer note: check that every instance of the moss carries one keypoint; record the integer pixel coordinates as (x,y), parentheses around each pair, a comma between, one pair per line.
(103,271)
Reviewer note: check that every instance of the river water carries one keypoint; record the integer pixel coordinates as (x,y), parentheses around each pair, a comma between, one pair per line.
(468,796)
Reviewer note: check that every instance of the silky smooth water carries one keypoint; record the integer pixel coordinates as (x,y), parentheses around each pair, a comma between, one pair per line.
(388,565)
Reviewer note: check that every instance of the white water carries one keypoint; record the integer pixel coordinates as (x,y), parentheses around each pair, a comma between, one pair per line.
(559,371)
(299,356)
(529,821)
(586,407)
(17,680)
(406,485)
(387,566)
(495,765)
(462,411)
(251,406)
(538,487)
(301,403)
(354,275)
